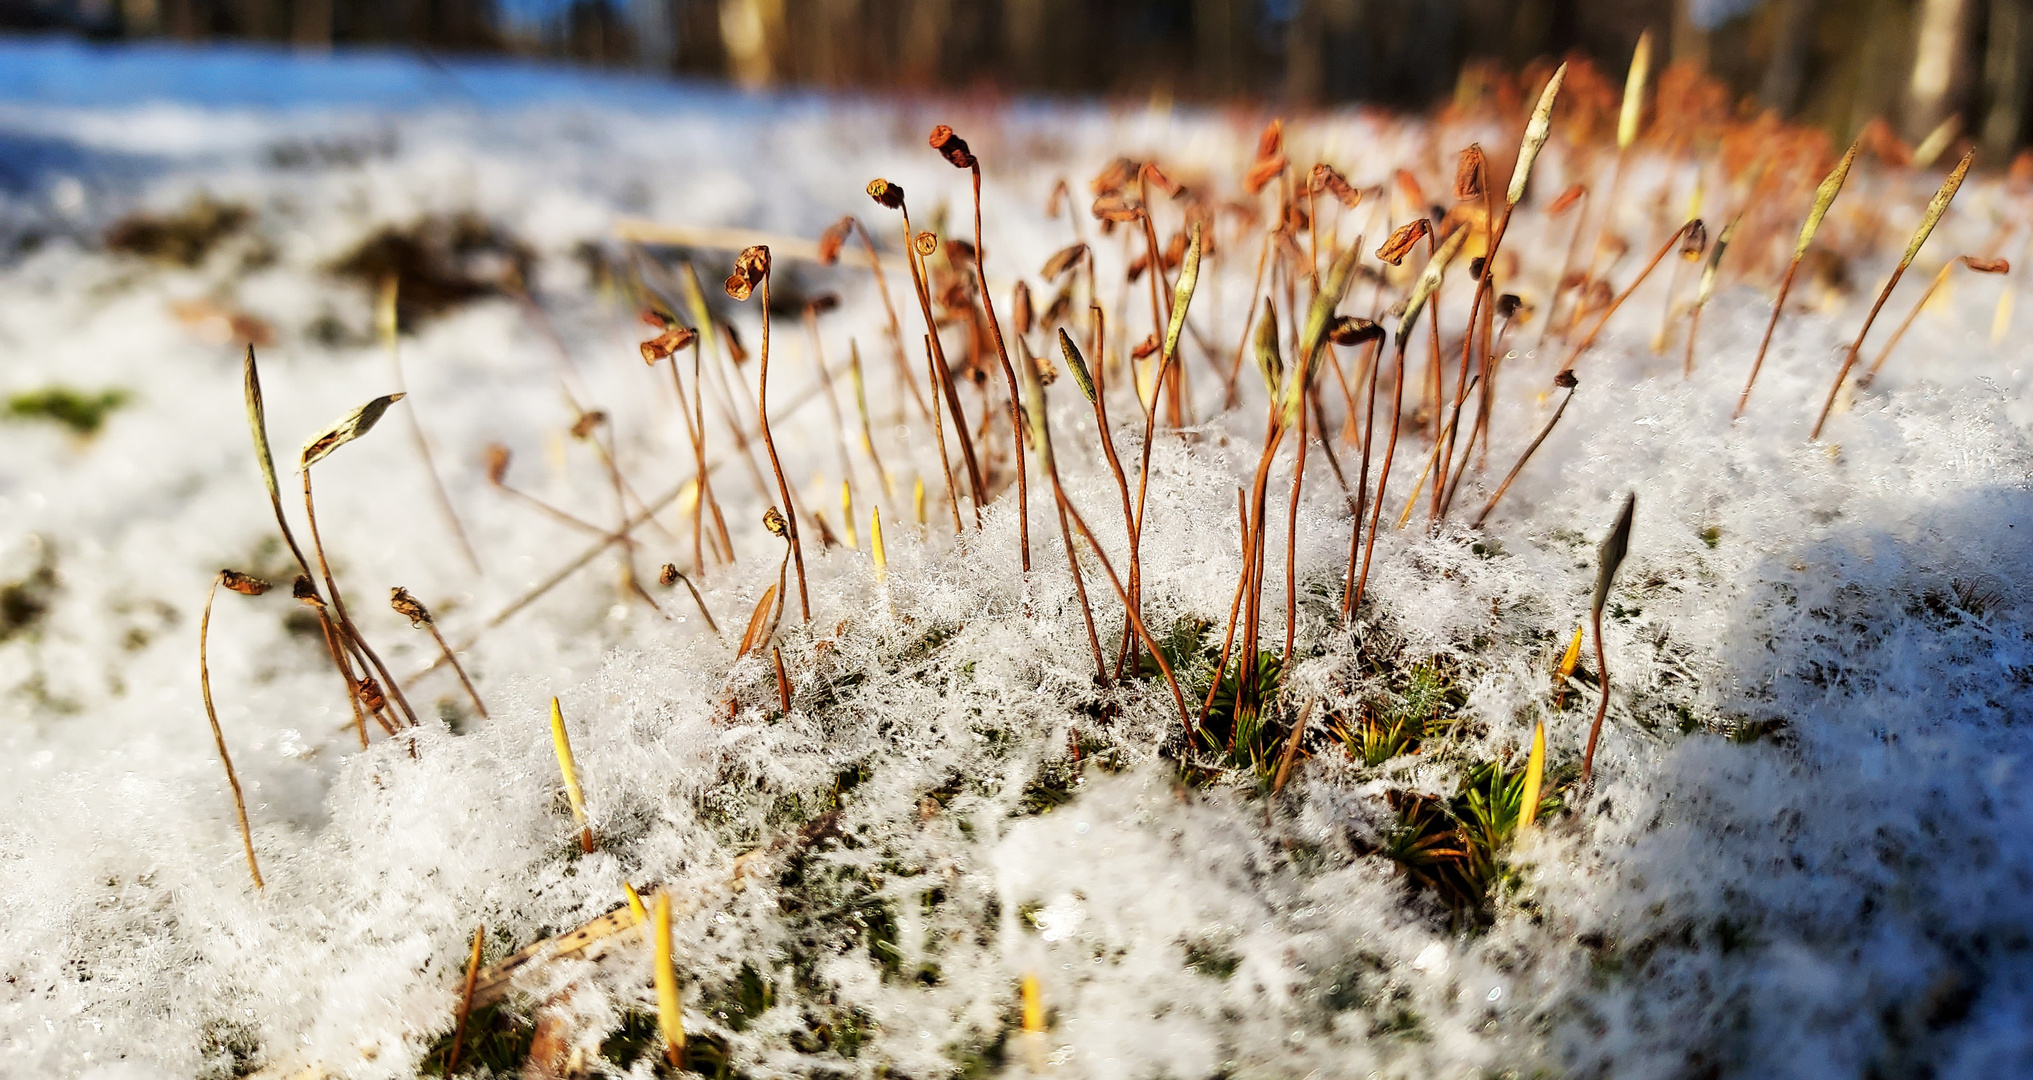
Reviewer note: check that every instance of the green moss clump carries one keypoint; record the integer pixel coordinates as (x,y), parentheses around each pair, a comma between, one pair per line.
(84,413)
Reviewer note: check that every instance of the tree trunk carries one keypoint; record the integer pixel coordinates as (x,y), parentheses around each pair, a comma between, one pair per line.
(1943,65)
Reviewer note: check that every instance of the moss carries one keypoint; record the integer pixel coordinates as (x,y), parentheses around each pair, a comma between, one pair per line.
(497,1040)
(183,238)
(1454,848)
(24,604)
(81,411)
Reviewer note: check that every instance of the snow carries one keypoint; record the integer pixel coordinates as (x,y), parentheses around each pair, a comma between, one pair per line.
(1850,897)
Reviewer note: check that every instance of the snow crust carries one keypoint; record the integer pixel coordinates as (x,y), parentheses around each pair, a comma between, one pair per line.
(1853,897)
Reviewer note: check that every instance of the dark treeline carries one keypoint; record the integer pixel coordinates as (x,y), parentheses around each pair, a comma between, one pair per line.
(1834,63)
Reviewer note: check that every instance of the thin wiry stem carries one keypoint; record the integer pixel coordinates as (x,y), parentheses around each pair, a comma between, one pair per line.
(1016,412)
(939,437)
(942,375)
(352,633)
(1383,479)
(457,668)
(776,466)
(1376,363)
(1234,608)
(1522,458)
(219,736)
(896,330)
(1601,707)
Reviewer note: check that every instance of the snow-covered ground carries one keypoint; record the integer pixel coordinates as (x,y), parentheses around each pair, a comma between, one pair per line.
(1807,853)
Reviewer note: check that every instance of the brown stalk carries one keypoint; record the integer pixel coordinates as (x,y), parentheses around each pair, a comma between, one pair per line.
(416,428)
(1980,265)
(239,583)
(1614,547)
(828,391)
(896,330)
(1565,379)
(695,427)
(1376,363)
(671,576)
(960,156)
(1383,475)
(257,422)
(750,270)
(419,617)
(1095,384)
(351,636)
(1937,207)
(1824,196)
(538,591)
(783,681)
(1292,546)
(1234,607)
(1041,445)
(465,1001)
(892,195)
(1579,192)
(939,437)
(1249,321)
(1603,320)
(1136,620)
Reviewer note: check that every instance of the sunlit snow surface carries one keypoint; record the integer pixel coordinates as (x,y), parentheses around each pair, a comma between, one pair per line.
(1852,898)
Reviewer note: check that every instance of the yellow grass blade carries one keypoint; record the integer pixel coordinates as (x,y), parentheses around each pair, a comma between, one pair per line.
(1535,773)
(670,1015)
(847,515)
(1567,662)
(635,907)
(562,743)
(875,542)
(1634,92)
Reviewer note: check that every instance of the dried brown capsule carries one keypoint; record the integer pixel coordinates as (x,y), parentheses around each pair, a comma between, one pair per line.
(408,606)
(1468,174)
(925,244)
(734,346)
(1401,242)
(244,584)
(1566,380)
(1145,348)
(1324,178)
(749,270)
(773,520)
(1117,208)
(305,591)
(1987,266)
(1567,198)
(1159,180)
(588,423)
(1272,140)
(1263,172)
(1118,173)
(833,239)
(1021,314)
(1508,306)
(668,576)
(886,193)
(1694,241)
(1063,260)
(1349,330)
(371,695)
(497,463)
(666,343)
(952,147)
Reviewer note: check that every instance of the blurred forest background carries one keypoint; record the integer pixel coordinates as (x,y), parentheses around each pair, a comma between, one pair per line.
(1834,64)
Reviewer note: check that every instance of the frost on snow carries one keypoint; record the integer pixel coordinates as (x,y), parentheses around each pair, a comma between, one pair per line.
(1803,855)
